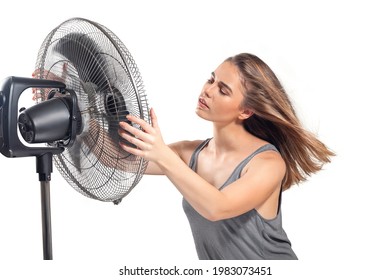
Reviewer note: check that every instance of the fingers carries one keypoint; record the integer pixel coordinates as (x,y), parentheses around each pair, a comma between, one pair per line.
(37,74)
(36,94)
(144,139)
(138,133)
(135,136)
(145,125)
(131,150)
(45,74)
(153,117)
(64,72)
(133,140)
(139,147)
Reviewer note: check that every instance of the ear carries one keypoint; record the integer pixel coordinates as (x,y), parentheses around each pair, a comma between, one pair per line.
(245,114)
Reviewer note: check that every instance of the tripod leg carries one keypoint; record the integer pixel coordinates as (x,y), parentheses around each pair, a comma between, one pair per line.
(46,221)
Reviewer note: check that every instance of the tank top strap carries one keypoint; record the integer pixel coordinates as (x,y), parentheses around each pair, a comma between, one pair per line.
(237,171)
(194,158)
(266,147)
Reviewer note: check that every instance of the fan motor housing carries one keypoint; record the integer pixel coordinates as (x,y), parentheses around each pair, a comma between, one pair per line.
(47,121)
(10,91)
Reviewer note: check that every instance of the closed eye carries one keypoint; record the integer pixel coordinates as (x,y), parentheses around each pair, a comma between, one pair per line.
(224,89)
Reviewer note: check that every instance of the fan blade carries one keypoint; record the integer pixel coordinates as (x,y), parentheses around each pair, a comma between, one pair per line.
(80,49)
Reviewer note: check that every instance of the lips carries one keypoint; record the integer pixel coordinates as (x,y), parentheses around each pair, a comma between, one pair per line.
(202,102)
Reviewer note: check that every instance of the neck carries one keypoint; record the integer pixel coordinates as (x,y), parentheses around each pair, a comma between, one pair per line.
(229,137)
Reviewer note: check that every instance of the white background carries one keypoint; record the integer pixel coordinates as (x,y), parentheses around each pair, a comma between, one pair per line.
(333,58)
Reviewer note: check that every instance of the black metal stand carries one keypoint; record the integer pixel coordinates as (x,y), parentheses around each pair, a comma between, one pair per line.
(44,169)
(12,146)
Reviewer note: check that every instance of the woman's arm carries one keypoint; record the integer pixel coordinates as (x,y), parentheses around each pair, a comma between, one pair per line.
(182,149)
(262,178)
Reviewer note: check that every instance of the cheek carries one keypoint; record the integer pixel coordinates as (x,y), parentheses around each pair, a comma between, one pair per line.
(224,112)
(228,104)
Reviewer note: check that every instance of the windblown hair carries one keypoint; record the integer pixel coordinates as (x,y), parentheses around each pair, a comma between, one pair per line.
(274,120)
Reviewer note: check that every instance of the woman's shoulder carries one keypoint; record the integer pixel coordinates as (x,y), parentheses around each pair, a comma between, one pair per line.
(185,148)
(266,162)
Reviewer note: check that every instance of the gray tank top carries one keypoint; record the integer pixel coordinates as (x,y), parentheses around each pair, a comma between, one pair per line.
(245,237)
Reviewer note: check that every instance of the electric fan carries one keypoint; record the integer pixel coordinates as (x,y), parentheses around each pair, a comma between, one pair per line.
(85,83)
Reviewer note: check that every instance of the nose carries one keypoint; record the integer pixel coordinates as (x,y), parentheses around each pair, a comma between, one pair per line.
(206,93)
(208,90)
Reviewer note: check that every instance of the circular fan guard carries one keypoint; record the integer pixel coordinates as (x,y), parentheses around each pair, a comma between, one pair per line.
(96,65)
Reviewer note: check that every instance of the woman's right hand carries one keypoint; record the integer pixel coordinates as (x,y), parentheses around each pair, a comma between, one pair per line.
(39,93)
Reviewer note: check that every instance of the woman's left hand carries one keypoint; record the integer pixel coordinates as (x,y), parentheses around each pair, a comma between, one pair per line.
(148,141)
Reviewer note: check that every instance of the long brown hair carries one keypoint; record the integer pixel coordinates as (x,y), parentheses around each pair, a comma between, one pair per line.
(274,120)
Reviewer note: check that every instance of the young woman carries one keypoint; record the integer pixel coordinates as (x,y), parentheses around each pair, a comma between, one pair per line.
(232,183)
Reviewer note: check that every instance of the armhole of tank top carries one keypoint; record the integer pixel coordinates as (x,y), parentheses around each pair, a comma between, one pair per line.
(267,147)
(279,200)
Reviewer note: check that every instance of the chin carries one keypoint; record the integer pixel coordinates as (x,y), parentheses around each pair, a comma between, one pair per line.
(203,115)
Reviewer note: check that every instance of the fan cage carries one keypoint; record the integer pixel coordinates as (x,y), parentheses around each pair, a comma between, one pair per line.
(92,61)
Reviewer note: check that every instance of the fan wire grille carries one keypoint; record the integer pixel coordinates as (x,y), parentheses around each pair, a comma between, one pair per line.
(93,62)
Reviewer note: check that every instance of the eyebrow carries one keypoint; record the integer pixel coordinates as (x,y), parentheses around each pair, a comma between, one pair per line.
(222,83)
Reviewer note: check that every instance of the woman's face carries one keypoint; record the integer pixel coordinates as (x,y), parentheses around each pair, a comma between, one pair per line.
(222,95)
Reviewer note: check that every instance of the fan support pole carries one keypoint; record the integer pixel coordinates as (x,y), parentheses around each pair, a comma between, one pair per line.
(44,169)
